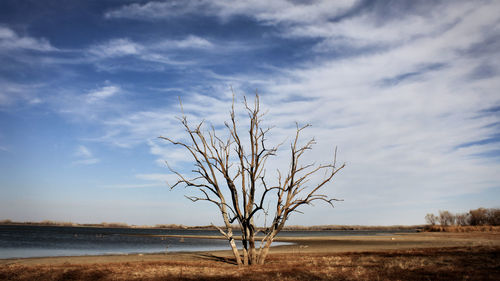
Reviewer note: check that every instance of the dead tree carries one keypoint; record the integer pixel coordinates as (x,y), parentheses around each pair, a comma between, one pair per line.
(231,174)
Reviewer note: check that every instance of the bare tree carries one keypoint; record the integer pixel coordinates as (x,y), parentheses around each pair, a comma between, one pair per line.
(231,174)
(478,216)
(462,219)
(446,218)
(431,219)
(494,216)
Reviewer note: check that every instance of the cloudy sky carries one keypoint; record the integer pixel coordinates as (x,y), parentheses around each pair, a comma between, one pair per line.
(407,90)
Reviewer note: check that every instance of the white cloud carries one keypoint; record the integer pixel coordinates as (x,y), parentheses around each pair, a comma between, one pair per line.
(102,93)
(138,127)
(189,42)
(270,12)
(336,22)
(9,40)
(148,56)
(156,50)
(116,48)
(15,93)
(280,11)
(154,10)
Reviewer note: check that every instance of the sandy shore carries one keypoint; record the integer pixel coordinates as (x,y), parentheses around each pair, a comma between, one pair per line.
(301,245)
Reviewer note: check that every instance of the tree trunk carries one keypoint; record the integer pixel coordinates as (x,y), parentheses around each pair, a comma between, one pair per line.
(235,251)
(252,254)
(245,256)
(264,251)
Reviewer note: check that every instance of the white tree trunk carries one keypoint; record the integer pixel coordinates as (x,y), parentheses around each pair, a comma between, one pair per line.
(235,251)
(264,251)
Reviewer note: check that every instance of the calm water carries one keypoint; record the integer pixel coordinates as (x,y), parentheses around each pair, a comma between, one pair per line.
(42,241)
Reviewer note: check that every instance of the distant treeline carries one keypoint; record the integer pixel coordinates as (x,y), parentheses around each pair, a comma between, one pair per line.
(211,227)
(481,219)
(61,223)
(102,224)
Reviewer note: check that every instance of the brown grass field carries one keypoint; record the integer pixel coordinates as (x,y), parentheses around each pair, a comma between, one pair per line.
(422,256)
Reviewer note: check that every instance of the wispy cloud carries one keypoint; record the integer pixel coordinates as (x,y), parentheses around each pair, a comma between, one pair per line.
(83,152)
(129,186)
(149,56)
(84,156)
(265,11)
(116,48)
(152,180)
(189,42)
(102,93)
(165,180)
(12,93)
(154,10)
(88,105)
(158,50)
(10,40)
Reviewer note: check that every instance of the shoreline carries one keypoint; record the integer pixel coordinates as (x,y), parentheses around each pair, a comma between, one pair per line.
(312,228)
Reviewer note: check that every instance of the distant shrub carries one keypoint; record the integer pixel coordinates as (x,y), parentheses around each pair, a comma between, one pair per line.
(53,223)
(170,226)
(113,224)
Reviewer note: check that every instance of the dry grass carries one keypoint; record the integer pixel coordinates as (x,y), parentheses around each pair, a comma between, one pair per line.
(459,263)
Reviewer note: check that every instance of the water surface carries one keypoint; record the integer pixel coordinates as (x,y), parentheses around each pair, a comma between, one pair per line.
(22,241)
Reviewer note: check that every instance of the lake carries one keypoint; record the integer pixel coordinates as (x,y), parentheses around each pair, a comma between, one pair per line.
(22,241)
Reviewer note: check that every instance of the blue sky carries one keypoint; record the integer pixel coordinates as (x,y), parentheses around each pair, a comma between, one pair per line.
(407,90)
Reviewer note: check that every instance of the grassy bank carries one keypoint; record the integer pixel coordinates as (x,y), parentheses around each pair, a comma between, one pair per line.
(457,263)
